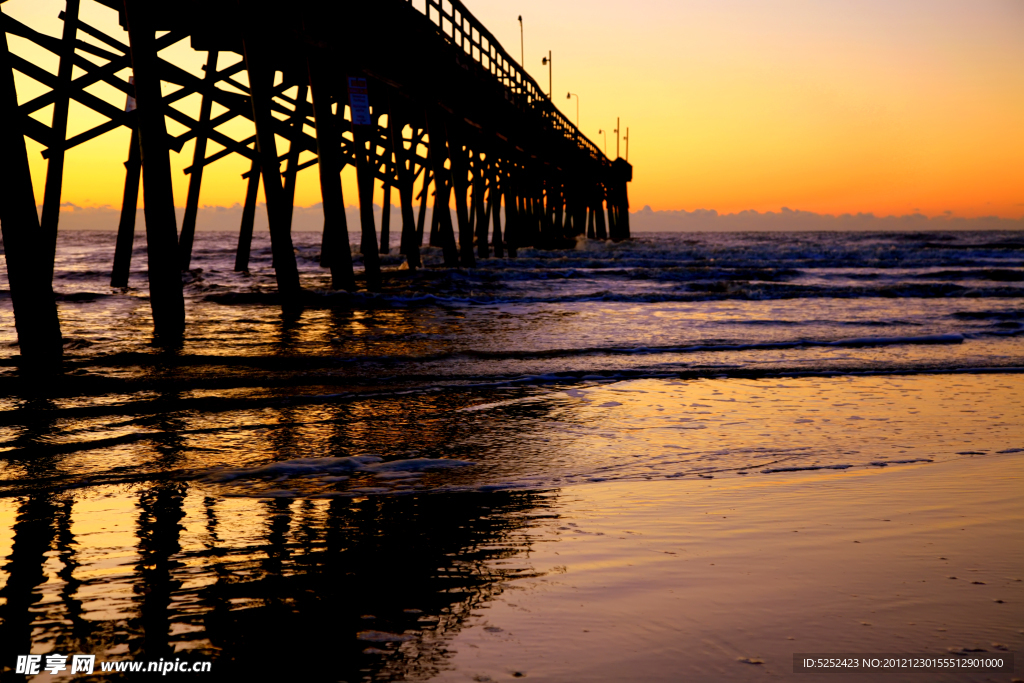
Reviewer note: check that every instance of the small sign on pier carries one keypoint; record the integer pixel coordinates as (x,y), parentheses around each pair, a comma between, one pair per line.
(359,101)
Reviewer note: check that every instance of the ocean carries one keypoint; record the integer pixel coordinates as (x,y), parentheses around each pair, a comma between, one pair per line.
(341,496)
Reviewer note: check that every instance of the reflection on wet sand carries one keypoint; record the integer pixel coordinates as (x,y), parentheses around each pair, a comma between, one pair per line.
(155,566)
(348,589)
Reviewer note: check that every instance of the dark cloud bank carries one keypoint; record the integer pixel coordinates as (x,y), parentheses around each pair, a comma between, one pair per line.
(644,220)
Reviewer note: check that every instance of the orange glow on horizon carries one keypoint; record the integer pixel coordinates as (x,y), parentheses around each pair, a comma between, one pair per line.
(731,106)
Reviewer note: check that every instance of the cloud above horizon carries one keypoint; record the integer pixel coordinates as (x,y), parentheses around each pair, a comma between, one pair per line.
(311,218)
(786,219)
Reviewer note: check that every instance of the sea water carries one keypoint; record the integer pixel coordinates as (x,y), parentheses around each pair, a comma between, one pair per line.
(378,467)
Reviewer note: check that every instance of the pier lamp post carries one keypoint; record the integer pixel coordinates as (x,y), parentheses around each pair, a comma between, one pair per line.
(547,60)
(626,140)
(569,97)
(522,48)
(616,131)
(605,133)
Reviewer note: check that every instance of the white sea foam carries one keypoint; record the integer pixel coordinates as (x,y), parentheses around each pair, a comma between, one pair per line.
(773,470)
(414,465)
(383,637)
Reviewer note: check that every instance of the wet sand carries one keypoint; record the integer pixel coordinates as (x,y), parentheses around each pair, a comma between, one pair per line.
(685,581)
(643,530)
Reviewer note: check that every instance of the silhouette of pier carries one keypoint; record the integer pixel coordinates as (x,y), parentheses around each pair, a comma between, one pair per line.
(413,94)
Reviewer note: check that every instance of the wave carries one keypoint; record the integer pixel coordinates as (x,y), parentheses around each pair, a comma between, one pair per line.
(997,246)
(688,292)
(998,315)
(859,342)
(950,275)
(992,274)
(81,297)
(138,404)
(302,362)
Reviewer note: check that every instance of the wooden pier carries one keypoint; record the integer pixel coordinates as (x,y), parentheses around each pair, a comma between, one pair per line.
(405,91)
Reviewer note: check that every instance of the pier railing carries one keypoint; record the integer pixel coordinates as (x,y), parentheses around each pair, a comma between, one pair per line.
(459,27)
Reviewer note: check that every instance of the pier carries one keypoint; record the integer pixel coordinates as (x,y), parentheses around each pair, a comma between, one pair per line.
(417,96)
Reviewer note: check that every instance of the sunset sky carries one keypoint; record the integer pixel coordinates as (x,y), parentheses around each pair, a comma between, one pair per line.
(880,106)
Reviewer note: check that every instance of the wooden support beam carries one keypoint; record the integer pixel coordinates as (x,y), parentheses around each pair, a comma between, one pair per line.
(368,241)
(59,131)
(557,215)
(524,210)
(472,158)
(618,198)
(421,218)
(335,250)
(389,172)
(410,245)
(528,226)
(406,174)
(541,226)
(52,44)
(129,207)
(116,117)
(470,195)
(515,229)
(62,90)
(35,311)
(261,82)
(479,188)
(435,225)
(602,231)
(85,28)
(188,221)
(291,170)
(460,181)
(217,156)
(93,73)
(165,290)
(623,210)
(364,183)
(544,223)
(612,215)
(512,221)
(578,209)
(445,232)
(385,219)
(248,219)
(494,207)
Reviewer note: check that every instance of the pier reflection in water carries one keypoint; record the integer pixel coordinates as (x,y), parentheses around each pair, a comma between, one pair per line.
(346,588)
(133,550)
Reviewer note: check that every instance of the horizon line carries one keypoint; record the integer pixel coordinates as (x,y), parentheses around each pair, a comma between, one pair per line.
(646,210)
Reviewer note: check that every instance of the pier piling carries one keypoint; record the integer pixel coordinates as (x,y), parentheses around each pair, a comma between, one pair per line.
(165,291)
(129,207)
(25,248)
(462,118)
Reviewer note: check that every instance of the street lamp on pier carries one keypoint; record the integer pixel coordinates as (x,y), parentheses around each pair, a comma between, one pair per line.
(522,48)
(547,60)
(569,97)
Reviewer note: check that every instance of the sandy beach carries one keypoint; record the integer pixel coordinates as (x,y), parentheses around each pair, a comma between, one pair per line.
(725,580)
